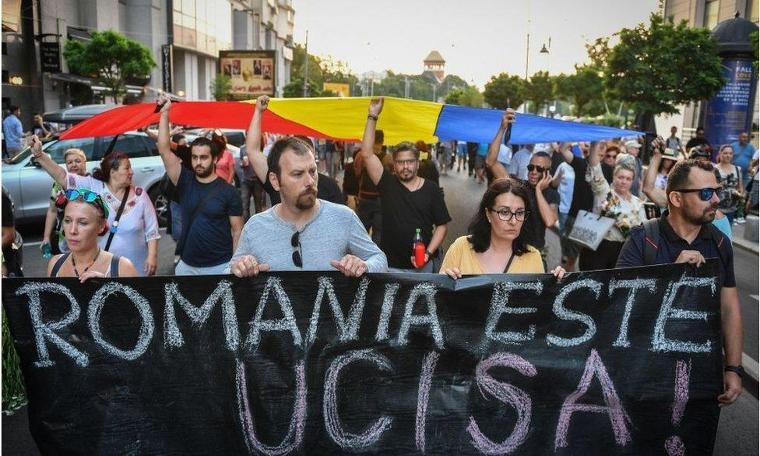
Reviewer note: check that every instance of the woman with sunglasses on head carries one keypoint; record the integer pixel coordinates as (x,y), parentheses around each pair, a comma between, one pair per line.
(52,238)
(614,201)
(496,243)
(132,218)
(84,221)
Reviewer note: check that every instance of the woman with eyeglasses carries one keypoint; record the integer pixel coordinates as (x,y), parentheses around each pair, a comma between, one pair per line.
(496,243)
(84,221)
(52,238)
(132,218)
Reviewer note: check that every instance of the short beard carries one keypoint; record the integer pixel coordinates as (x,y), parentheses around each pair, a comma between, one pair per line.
(303,202)
(704,218)
(206,171)
(409,179)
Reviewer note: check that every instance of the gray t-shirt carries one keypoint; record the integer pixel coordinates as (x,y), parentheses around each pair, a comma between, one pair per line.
(334,232)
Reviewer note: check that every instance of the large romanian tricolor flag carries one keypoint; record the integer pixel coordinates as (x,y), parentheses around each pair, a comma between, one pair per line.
(344,118)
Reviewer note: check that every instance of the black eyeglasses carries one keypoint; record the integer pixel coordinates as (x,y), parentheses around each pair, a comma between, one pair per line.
(705,194)
(295,242)
(539,169)
(506,215)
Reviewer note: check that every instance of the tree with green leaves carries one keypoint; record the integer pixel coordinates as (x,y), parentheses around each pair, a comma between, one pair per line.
(469,96)
(539,90)
(657,67)
(221,87)
(503,91)
(111,59)
(584,90)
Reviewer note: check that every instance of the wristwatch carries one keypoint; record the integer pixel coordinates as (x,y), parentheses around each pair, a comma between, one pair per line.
(738,370)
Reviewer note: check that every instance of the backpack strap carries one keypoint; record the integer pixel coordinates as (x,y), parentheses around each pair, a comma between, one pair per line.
(58,264)
(720,239)
(651,240)
(115,266)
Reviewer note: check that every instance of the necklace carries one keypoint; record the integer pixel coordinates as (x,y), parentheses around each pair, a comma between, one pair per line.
(74,263)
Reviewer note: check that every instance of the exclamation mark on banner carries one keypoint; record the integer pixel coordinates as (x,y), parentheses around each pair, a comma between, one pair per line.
(674,445)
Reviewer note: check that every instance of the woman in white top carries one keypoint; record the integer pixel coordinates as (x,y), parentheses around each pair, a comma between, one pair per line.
(135,235)
(616,202)
(731,178)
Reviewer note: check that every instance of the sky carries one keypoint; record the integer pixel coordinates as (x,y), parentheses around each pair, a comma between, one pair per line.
(477,38)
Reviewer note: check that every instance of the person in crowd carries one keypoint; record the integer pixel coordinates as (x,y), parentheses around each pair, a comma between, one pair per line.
(211,208)
(608,161)
(13,132)
(225,165)
(744,151)
(583,199)
(85,216)
(445,153)
(472,153)
(518,166)
(673,142)
(753,190)
(327,187)
(52,235)
(369,206)
(428,168)
(461,155)
(409,202)
(350,179)
(250,186)
(684,234)
(543,200)
(496,241)
(133,223)
(730,178)
(658,196)
(633,148)
(480,163)
(669,158)
(564,182)
(42,129)
(303,232)
(12,253)
(699,139)
(617,202)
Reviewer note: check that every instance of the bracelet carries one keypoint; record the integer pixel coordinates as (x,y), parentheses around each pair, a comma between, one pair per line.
(738,370)
(370,116)
(428,253)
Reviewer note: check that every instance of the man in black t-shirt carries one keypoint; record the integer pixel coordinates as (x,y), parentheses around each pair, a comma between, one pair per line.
(408,202)
(544,200)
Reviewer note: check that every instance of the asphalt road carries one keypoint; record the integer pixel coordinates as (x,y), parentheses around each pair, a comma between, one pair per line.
(738,428)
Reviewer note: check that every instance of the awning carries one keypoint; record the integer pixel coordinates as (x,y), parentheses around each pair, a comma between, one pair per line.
(75,79)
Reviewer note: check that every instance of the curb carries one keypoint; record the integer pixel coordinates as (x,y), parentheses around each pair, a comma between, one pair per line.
(746,245)
(750,381)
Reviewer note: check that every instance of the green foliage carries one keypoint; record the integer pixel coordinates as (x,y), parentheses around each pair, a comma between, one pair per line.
(294,89)
(503,91)
(660,66)
(584,89)
(221,87)
(753,40)
(469,96)
(539,90)
(320,70)
(110,58)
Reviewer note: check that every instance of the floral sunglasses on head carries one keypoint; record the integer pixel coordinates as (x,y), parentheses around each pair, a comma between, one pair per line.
(88,196)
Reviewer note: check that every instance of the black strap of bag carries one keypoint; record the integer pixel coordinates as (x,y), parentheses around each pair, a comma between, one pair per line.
(189,223)
(115,226)
(511,258)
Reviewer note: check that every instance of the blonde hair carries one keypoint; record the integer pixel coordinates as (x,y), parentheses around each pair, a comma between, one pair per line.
(74,151)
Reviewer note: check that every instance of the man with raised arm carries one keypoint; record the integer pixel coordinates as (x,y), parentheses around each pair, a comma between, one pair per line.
(301,232)
(211,208)
(408,202)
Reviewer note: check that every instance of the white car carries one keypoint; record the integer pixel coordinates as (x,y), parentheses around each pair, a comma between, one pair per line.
(29,185)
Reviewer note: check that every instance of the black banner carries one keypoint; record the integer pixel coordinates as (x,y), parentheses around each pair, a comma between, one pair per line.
(624,361)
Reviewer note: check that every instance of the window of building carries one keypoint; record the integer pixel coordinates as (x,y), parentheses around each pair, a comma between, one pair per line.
(203,25)
(711,13)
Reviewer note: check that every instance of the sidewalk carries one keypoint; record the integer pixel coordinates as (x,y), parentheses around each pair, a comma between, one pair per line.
(739,240)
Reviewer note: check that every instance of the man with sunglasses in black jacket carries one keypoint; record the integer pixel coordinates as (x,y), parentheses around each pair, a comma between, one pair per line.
(685,234)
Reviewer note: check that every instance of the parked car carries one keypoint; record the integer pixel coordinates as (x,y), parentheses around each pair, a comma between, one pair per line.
(29,185)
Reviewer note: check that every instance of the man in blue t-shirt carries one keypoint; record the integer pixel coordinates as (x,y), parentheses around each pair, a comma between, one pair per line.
(686,235)
(211,208)
(743,153)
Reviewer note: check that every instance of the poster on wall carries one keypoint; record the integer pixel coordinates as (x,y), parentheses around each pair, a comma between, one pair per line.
(252,73)
(729,113)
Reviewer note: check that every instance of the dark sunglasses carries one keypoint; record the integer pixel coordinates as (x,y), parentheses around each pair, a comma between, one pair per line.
(537,168)
(705,194)
(88,196)
(295,242)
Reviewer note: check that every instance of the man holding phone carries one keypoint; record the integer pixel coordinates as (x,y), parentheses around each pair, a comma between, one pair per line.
(544,199)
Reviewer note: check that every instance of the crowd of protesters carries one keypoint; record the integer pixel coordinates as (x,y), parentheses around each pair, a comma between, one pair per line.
(100,225)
